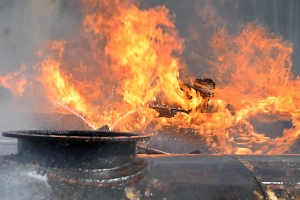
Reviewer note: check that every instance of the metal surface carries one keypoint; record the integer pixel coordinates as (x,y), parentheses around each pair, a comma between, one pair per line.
(157,177)
(88,169)
(76,149)
(76,135)
(278,175)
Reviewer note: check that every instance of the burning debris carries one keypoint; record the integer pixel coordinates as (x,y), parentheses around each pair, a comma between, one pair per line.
(130,73)
(202,87)
(135,82)
(125,69)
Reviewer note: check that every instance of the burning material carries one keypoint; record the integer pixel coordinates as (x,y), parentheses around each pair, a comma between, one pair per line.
(202,88)
(204,83)
(125,69)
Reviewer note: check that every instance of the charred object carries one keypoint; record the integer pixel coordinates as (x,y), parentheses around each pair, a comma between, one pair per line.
(105,165)
(203,87)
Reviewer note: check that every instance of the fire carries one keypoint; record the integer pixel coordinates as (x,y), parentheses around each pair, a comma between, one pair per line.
(15,82)
(255,66)
(126,59)
(136,62)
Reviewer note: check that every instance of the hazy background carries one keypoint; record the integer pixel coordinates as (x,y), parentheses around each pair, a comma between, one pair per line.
(25,24)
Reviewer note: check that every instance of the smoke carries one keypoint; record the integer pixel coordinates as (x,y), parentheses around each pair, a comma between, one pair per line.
(24,27)
(195,18)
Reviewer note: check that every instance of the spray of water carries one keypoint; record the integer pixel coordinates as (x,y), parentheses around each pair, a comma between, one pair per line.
(123,117)
(59,104)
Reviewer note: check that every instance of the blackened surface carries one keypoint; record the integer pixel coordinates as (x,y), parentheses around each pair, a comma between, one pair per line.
(76,154)
(76,135)
(279,175)
(200,177)
(205,82)
(170,177)
(76,149)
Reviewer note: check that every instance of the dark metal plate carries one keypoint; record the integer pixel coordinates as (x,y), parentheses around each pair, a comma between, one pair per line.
(75,135)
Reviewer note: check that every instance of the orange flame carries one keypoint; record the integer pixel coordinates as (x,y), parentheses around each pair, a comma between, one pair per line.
(127,58)
(254,67)
(15,82)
